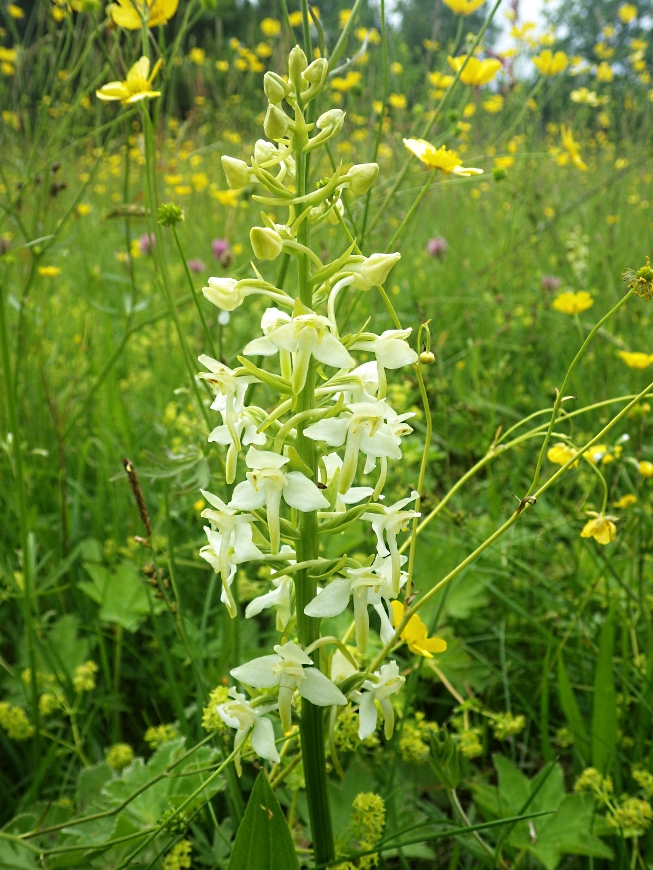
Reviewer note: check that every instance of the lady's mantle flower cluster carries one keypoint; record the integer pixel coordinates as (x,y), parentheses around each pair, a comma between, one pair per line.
(317,461)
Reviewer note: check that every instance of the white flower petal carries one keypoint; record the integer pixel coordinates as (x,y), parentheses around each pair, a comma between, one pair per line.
(265,459)
(331,601)
(258,672)
(332,430)
(319,690)
(394,353)
(260,347)
(246,498)
(263,740)
(356,493)
(263,602)
(332,353)
(367,715)
(221,435)
(301,493)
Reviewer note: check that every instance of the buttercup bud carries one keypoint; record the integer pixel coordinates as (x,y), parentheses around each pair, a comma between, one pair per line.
(237,172)
(266,243)
(224,293)
(373,271)
(275,87)
(427,357)
(276,123)
(169,214)
(362,176)
(315,72)
(331,121)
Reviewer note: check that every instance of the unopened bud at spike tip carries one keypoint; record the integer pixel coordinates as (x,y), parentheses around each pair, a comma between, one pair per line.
(237,172)
(297,63)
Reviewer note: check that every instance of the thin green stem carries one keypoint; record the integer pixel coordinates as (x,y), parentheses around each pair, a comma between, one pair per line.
(189,278)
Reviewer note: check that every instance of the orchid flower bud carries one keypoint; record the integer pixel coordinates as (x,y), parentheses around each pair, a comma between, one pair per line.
(224,293)
(315,72)
(237,172)
(331,121)
(275,87)
(362,176)
(297,63)
(373,271)
(276,123)
(264,151)
(266,243)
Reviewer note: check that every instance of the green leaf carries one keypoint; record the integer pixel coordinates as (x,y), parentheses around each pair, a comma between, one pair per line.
(570,709)
(122,596)
(604,712)
(263,841)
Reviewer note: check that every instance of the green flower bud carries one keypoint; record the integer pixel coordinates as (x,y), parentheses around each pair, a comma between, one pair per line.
(266,243)
(276,123)
(169,214)
(373,271)
(331,121)
(297,63)
(427,357)
(315,72)
(237,172)
(224,293)
(264,151)
(362,176)
(275,87)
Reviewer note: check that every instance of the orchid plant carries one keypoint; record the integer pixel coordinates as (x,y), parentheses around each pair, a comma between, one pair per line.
(317,460)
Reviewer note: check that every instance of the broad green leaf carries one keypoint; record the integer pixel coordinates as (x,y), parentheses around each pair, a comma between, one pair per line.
(16,858)
(604,711)
(263,841)
(568,832)
(122,596)
(570,709)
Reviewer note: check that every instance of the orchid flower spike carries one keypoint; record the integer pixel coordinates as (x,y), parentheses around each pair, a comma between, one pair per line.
(239,714)
(386,525)
(386,682)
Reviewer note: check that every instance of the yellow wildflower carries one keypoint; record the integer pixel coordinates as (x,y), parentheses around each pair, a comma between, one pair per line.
(15,722)
(84,677)
(602,528)
(625,501)
(645,468)
(573,303)
(49,271)
(439,158)
(476,72)
(83,208)
(197,56)
(584,96)
(222,65)
(550,64)
(349,81)
(627,13)
(635,359)
(604,72)
(343,17)
(464,7)
(416,634)
(120,756)
(571,147)
(493,104)
(179,857)
(440,80)
(137,86)
(396,68)
(561,453)
(397,101)
(270,27)
(15,11)
(130,13)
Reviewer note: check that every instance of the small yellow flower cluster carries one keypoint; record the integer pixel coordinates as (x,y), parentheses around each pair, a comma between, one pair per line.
(590,780)
(632,817)
(345,735)
(15,722)
(368,821)
(414,743)
(644,779)
(178,858)
(210,719)
(507,725)
(573,303)
(469,743)
(84,677)
(157,735)
(636,359)
(120,756)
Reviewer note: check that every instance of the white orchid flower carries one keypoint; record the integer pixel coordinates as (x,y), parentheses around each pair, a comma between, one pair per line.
(388,681)
(279,598)
(388,524)
(243,420)
(365,586)
(363,428)
(239,714)
(267,483)
(391,350)
(333,466)
(224,381)
(303,335)
(290,669)
(233,546)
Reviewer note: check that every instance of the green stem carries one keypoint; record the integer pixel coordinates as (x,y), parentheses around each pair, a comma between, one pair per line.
(308,629)
(207,333)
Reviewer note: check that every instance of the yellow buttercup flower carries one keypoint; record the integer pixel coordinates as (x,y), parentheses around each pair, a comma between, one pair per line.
(635,359)
(270,27)
(137,86)
(476,72)
(49,271)
(584,96)
(561,453)
(645,468)
(627,13)
(604,72)
(573,303)
(550,64)
(625,501)
(439,158)
(602,528)
(15,11)
(416,634)
(571,147)
(493,104)
(464,7)
(131,13)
